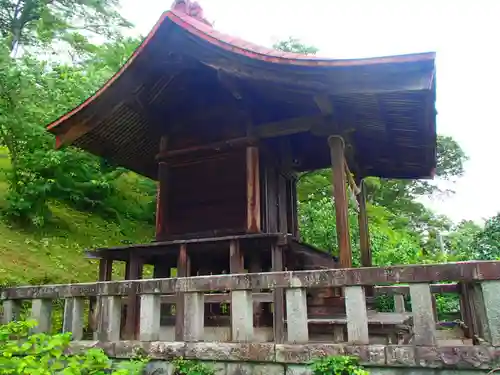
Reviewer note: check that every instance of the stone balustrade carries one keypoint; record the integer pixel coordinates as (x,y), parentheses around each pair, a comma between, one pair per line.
(476,283)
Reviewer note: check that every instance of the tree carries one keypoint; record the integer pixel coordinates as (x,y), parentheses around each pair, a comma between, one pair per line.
(41,22)
(486,243)
(295,45)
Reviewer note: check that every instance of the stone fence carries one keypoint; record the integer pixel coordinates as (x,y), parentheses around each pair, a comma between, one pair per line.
(476,283)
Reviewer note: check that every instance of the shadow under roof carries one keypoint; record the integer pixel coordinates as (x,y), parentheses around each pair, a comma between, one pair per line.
(172,84)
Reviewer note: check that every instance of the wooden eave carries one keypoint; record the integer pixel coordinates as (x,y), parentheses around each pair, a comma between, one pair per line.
(385,106)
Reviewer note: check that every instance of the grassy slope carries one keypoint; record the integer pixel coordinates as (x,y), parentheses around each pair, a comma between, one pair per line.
(56,254)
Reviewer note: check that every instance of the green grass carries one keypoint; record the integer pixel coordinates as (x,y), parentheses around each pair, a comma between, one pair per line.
(56,253)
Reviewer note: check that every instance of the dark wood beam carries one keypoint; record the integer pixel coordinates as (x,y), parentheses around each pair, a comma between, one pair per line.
(340,196)
(162,195)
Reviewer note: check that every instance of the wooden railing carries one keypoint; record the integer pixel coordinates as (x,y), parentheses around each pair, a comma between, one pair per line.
(477,284)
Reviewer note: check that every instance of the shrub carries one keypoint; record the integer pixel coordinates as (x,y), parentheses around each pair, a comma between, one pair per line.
(186,367)
(23,353)
(342,365)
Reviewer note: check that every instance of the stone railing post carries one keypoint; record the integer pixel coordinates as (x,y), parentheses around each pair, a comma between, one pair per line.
(73,317)
(11,311)
(296,315)
(149,326)
(399,303)
(194,316)
(242,315)
(486,301)
(41,311)
(423,314)
(109,318)
(357,316)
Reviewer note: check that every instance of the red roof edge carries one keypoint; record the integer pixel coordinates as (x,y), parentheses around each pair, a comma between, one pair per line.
(189,15)
(117,75)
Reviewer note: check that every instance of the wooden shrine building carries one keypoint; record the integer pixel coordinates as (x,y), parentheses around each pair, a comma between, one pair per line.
(226,126)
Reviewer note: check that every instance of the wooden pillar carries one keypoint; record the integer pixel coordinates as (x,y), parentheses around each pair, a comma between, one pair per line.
(336,144)
(279,295)
(364,234)
(253,190)
(105,274)
(294,208)
(105,269)
(183,270)
(162,195)
(133,272)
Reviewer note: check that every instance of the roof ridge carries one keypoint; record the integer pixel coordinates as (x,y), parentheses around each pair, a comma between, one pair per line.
(190,8)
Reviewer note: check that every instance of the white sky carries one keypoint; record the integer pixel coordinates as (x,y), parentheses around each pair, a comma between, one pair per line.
(464,33)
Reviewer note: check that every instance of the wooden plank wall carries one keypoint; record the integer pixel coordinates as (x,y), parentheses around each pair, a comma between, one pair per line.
(208,194)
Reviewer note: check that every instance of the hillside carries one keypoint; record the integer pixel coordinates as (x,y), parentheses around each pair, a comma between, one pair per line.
(56,253)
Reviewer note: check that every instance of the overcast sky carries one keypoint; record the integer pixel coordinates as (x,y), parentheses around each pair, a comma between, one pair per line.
(464,33)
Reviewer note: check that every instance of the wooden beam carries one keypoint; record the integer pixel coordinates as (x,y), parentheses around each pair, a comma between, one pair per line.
(133,272)
(162,195)
(340,196)
(324,104)
(288,127)
(253,190)
(364,234)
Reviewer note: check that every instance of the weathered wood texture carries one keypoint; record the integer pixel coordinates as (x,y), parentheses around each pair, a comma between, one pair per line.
(208,194)
(253,213)
(482,277)
(340,196)
(162,194)
(432,273)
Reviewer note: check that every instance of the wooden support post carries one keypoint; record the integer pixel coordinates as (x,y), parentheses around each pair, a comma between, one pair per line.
(271,199)
(296,316)
(357,317)
(11,311)
(336,144)
(282,205)
(41,311)
(183,270)
(423,315)
(278,300)
(253,190)
(364,235)
(294,209)
(133,272)
(109,318)
(105,269)
(105,274)
(162,194)
(73,317)
(150,318)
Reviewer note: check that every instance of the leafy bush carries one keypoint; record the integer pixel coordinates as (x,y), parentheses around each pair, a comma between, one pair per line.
(23,353)
(186,367)
(342,365)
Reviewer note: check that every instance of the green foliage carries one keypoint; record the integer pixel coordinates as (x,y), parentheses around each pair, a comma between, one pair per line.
(295,45)
(40,23)
(187,367)
(39,173)
(342,365)
(41,354)
(486,243)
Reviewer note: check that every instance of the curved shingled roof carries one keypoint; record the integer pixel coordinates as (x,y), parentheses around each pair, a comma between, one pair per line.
(172,84)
